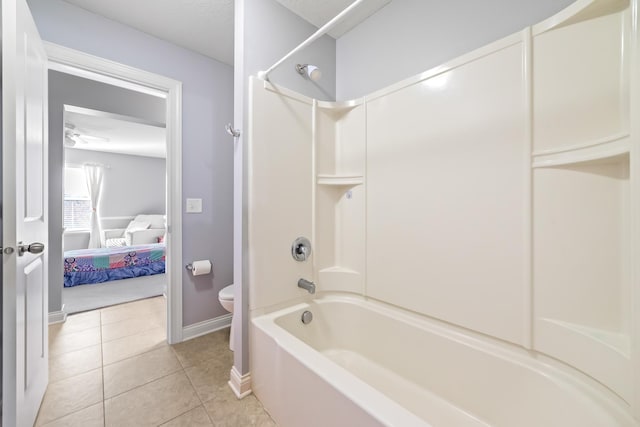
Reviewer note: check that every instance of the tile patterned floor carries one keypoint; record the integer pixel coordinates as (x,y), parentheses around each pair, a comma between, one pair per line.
(113,367)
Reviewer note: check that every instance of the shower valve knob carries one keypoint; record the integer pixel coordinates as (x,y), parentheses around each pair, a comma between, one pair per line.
(301,249)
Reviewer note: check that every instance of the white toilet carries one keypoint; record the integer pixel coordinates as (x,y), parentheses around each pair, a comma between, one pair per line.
(225,296)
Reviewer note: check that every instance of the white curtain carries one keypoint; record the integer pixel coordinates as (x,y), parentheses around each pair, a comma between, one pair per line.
(94,175)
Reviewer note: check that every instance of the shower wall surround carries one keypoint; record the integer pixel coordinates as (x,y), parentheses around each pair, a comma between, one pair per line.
(497,193)
(446,199)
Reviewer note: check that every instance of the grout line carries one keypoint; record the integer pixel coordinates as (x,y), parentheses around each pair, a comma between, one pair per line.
(130,357)
(137,315)
(152,326)
(64,351)
(179,415)
(208,416)
(175,353)
(193,386)
(72,412)
(200,362)
(147,383)
(61,333)
(121,305)
(65,415)
(197,395)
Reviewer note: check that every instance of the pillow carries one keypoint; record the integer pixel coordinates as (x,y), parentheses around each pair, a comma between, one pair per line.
(115,243)
(137,226)
(156,220)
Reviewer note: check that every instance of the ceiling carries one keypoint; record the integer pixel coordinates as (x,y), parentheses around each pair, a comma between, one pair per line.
(206,26)
(114,133)
(319,13)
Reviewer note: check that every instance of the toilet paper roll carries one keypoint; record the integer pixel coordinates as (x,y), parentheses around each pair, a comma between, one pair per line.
(201,267)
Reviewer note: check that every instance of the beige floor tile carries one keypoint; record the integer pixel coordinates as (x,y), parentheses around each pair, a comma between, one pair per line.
(123,348)
(208,377)
(68,396)
(69,364)
(120,313)
(141,308)
(158,303)
(65,343)
(225,410)
(76,323)
(54,330)
(154,302)
(201,349)
(92,416)
(144,380)
(194,418)
(139,370)
(152,404)
(132,326)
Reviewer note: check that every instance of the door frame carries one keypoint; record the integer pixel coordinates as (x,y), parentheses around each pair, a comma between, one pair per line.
(71,61)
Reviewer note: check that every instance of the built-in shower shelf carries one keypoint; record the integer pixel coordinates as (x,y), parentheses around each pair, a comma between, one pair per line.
(607,149)
(603,353)
(340,180)
(579,11)
(340,279)
(616,341)
(338,109)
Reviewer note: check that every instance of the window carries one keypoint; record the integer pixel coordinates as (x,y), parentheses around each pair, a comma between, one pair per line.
(77,203)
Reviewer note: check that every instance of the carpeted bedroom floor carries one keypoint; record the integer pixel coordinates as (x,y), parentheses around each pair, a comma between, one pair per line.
(89,297)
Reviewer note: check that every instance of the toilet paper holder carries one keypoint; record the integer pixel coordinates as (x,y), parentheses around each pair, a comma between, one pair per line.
(199,268)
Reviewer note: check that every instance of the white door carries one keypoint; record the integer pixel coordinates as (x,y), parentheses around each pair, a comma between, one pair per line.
(24,216)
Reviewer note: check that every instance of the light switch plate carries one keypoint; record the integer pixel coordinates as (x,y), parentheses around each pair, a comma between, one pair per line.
(194,205)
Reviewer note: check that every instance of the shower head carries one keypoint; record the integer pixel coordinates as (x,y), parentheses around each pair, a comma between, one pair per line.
(309,71)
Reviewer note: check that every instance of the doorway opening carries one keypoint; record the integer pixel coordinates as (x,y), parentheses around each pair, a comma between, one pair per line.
(114,201)
(85,136)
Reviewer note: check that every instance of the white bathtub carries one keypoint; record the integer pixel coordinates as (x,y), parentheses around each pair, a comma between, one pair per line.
(362,363)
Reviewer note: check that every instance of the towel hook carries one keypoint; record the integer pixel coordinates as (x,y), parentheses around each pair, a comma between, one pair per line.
(231,131)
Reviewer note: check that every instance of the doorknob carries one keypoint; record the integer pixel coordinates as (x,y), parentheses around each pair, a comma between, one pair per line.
(34,248)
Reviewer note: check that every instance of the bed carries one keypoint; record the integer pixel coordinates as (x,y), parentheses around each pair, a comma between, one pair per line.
(89,266)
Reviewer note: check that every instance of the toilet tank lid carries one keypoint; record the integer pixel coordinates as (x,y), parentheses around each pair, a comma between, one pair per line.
(226,293)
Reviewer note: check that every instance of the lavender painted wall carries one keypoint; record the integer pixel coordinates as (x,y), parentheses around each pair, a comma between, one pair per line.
(207,150)
(407,37)
(132,185)
(265,31)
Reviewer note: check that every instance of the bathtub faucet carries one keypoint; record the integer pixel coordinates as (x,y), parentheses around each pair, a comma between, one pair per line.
(309,286)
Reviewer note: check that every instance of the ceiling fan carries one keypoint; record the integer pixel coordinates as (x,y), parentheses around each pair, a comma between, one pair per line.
(72,136)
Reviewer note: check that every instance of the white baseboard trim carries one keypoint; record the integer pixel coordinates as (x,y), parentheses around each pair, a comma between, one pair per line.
(202,328)
(57,316)
(240,384)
